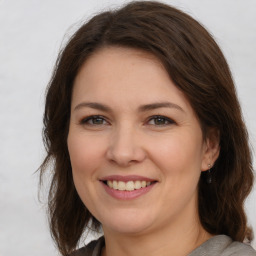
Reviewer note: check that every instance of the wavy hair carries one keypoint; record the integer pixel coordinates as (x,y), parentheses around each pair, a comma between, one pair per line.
(198,68)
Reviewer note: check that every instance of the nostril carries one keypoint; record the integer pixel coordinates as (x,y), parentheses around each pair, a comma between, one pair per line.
(125,151)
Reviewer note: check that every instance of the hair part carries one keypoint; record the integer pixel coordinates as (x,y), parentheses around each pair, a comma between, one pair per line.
(198,68)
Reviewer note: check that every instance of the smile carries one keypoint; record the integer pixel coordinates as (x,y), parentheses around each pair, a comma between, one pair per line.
(127,186)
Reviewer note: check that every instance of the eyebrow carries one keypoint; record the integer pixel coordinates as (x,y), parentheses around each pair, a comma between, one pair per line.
(157,105)
(93,105)
(142,108)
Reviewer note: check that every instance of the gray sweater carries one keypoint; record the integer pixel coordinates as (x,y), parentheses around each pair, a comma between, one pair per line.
(219,245)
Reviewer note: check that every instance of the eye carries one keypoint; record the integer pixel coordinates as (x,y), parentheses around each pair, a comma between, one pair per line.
(94,120)
(160,121)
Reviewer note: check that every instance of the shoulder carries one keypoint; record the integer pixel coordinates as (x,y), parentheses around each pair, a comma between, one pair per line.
(239,249)
(222,245)
(91,249)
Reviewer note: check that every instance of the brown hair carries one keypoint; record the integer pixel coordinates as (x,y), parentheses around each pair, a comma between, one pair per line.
(198,68)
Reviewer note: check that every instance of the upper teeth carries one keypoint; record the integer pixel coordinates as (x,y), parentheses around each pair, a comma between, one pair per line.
(129,186)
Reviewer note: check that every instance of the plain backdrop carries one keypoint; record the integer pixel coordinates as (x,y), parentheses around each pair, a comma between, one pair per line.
(31,34)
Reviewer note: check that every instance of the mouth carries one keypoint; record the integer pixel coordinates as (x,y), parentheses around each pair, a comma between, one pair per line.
(130,185)
(127,187)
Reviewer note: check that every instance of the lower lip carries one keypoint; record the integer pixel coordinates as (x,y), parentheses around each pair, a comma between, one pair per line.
(127,195)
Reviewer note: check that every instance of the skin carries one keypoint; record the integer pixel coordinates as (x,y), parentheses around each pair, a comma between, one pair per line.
(126,140)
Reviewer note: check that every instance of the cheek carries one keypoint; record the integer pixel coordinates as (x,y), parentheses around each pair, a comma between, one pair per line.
(178,155)
(86,153)
(85,156)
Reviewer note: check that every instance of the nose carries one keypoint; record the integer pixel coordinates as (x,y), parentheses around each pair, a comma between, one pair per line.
(125,147)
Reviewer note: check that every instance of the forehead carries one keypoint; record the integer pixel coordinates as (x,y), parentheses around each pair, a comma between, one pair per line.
(134,76)
(113,61)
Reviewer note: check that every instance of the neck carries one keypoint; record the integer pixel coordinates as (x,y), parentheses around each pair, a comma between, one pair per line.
(178,239)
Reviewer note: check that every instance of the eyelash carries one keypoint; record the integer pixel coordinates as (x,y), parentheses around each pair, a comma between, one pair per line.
(87,120)
(167,121)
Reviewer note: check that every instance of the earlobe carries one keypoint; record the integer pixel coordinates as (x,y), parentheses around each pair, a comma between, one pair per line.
(212,149)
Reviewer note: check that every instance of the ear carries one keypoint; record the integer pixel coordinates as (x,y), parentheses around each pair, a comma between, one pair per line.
(211,149)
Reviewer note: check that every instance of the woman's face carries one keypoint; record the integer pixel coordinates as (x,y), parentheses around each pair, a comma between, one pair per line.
(131,127)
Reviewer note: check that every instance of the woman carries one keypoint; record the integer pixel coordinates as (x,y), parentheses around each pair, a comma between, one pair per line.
(145,133)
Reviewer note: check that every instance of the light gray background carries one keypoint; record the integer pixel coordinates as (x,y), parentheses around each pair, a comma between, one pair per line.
(31,32)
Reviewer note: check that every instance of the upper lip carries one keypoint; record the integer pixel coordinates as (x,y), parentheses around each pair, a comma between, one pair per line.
(126,178)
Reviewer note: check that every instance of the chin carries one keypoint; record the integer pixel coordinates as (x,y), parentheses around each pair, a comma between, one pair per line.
(126,229)
(128,223)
